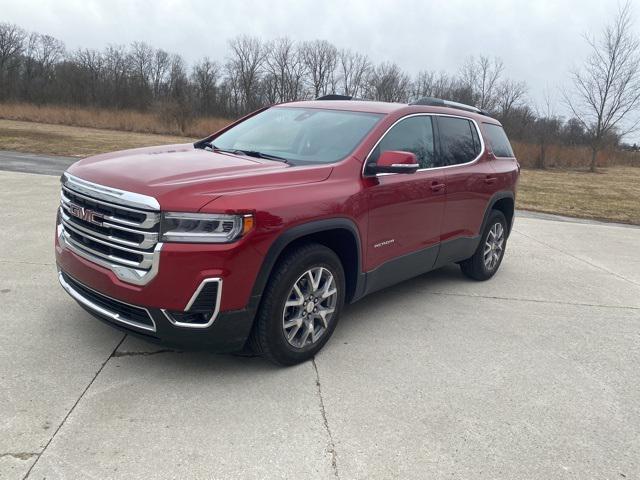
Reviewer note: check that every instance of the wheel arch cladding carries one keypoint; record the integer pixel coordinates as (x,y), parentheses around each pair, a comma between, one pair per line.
(339,234)
(503,202)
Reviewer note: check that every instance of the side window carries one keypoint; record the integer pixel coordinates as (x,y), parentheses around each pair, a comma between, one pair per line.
(458,139)
(498,140)
(414,134)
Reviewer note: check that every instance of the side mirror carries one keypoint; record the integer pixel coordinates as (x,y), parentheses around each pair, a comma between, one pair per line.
(394,161)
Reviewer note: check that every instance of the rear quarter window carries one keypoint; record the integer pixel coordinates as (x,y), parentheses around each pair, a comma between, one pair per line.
(458,140)
(498,140)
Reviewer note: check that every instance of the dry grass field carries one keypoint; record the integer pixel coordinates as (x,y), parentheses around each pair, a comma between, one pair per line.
(70,141)
(124,120)
(612,194)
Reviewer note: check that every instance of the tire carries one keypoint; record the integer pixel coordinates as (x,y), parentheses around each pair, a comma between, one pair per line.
(285,328)
(476,267)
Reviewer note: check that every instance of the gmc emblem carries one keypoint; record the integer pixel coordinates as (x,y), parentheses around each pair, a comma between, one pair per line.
(85,214)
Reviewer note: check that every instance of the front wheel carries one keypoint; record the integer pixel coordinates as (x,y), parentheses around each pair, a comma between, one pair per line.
(487,259)
(301,305)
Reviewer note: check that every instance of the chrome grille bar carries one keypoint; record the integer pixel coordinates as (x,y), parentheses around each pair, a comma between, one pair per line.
(150,238)
(97,223)
(151,218)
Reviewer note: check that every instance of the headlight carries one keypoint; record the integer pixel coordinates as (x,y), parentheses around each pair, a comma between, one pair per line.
(204,227)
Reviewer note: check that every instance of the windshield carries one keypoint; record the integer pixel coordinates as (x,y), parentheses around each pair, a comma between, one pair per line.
(299,135)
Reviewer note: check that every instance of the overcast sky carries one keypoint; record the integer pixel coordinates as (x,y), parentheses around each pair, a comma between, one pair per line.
(538,40)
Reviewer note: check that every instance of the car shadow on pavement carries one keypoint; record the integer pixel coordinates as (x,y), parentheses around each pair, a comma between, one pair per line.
(164,361)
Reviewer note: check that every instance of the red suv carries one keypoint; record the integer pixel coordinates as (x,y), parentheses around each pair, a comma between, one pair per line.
(256,236)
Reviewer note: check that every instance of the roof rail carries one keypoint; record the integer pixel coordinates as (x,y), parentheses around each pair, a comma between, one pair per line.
(438,102)
(334,96)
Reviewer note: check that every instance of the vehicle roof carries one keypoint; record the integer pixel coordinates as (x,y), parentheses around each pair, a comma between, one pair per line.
(367,106)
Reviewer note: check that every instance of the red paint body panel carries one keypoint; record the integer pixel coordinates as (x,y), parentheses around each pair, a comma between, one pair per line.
(394,215)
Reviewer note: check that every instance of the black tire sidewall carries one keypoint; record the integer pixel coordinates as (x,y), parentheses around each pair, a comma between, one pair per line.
(495,217)
(287,273)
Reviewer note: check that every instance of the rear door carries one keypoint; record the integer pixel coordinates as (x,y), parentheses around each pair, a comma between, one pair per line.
(470,177)
(405,210)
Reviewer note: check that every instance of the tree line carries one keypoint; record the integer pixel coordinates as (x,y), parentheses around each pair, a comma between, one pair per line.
(39,69)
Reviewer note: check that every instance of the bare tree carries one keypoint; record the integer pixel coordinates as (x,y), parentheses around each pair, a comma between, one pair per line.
(159,69)
(509,95)
(205,76)
(285,69)
(388,83)
(320,59)
(607,87)
(141,61)
(482,77)
(353,71)
(12,39)
(546,127)
(115,73)
(91,63)
(246,66)
(423,85)
(41,54)
(178,105)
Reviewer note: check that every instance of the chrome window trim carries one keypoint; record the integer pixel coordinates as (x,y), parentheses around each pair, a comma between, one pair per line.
(482,144)
(193,299)
(109,194)
(116,317)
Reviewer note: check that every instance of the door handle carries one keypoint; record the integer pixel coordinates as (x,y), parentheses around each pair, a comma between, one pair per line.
(436,187)
(490,180)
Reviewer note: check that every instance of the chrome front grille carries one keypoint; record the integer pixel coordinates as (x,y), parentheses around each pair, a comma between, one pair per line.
(109,227)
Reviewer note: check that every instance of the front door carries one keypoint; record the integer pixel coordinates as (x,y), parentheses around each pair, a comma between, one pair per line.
(405,210)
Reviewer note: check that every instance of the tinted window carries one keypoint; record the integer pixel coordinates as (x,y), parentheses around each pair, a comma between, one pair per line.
(498,140)
(301,135)
(414,134)
(458,139)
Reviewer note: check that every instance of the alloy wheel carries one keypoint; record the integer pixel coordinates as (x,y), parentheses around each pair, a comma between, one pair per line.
(494,246)
(309,308)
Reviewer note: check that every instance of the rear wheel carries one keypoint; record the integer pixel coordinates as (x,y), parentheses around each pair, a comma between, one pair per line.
(301,305)
(487,259)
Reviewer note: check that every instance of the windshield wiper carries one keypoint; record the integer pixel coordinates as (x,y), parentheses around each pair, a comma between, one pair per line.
(266,156)
(249,153)
(211,146)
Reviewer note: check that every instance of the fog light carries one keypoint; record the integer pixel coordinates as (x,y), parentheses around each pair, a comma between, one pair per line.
(192,318)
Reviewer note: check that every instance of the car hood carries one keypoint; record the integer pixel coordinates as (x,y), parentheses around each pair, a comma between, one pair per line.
(184,178)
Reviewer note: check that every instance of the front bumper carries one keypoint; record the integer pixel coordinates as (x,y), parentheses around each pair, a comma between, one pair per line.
(228,333)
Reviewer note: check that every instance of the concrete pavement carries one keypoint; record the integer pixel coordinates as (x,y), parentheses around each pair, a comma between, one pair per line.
(533,374)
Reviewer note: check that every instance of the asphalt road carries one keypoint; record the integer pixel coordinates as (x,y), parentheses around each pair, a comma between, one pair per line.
(33,163)
(532,375)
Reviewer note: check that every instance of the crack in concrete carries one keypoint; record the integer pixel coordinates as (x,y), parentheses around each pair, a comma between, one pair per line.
(39,455)
(534,300)
(621,277)
(331,447)
(143,354)
(19,455)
